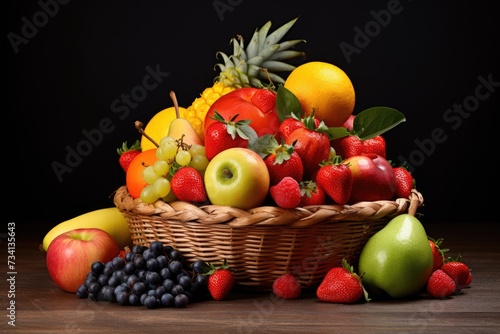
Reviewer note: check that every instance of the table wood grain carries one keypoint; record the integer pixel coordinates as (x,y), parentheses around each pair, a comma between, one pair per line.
(41,307)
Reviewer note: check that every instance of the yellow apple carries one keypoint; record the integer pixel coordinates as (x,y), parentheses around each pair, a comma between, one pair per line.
(237,177)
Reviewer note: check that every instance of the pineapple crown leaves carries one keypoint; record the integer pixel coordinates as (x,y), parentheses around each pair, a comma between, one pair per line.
(124,148)
(307,187)
(350,269)
(263,51)
(240,128)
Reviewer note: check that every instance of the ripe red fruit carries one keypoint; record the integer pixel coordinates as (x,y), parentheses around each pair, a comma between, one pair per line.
(440,285)
(258,105)
(284,161)
(224,134)
(311,194)
(469,280)
(351,145)
(437,252)
(458,271)
(187,185)
(287,286)
(312,146)
(404,182)
(341,285)
(286,193)
(288,125)
(374,178)
(336,180)
(127,154)
(220,281)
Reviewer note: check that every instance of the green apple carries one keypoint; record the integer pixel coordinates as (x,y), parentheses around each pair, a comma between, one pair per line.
(237,177)
(397,260)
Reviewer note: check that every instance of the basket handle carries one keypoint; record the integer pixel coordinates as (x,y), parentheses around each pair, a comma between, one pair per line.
(416,200)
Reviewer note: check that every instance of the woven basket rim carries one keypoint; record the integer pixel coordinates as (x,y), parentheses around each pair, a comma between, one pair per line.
(299,217)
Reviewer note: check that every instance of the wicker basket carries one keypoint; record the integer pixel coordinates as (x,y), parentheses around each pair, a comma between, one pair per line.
(262,243)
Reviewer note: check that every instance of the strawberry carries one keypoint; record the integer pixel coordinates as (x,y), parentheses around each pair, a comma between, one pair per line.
(264,99)
(220,281)
(288,125)
(440,285)
(283,161)
(404,182)
(458,271)
(286,286)
(292,123)
(224,134)
(286,193)
(311,193)
(187,185)
(336,180)
(128,154)
(469,280)
(437,252)
(312,144)
(352,145)
(341,285)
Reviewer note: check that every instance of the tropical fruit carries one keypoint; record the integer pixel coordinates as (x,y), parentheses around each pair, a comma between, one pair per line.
(250,66)
(323,89)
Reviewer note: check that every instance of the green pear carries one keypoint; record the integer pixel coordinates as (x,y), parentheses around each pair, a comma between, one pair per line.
(181,126)
(397,260)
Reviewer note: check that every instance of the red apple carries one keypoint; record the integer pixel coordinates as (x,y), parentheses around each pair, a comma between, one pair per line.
(71,254)
(255,104)
(374,178)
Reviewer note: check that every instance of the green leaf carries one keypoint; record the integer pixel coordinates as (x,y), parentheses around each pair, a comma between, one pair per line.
(245,131)
(374,121)
(263,145)
(337,132)
(287,104)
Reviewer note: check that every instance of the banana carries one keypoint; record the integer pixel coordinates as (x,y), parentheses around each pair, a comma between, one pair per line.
(110,220)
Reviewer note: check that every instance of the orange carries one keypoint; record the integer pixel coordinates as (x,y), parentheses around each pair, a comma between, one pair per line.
(324,89)
(134,181)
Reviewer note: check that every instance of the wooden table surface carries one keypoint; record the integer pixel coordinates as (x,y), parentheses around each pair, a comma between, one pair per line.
(41,307)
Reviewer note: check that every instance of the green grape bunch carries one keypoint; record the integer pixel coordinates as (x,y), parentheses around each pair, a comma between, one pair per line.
(172,155)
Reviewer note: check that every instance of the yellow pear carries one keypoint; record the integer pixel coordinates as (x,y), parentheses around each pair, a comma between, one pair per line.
(181,126)
(159,125)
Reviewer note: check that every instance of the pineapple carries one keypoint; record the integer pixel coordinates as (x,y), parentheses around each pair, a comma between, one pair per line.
(246,67)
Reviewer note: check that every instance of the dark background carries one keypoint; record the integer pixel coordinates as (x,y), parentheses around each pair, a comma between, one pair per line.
(64,78)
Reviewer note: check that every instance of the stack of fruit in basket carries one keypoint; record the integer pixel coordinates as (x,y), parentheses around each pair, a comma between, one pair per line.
(294,142)
(254,138)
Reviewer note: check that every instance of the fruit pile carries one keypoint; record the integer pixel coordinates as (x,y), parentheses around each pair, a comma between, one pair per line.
(294,142)
(252,139)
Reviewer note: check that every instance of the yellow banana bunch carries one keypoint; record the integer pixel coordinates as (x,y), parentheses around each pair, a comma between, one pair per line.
(110,220)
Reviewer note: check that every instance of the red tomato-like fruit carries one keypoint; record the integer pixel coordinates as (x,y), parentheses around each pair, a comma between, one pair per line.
(255,104)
